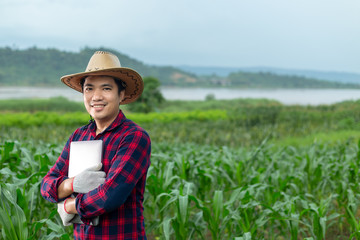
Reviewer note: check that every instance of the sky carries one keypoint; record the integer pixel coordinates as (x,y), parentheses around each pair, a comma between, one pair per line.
(319,35)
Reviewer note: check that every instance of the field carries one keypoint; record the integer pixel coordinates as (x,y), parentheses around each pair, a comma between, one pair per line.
(234,169)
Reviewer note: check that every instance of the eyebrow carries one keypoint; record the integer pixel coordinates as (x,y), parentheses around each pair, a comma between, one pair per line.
(103,85)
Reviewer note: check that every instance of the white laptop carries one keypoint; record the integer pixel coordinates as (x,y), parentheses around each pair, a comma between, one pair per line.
(84,155)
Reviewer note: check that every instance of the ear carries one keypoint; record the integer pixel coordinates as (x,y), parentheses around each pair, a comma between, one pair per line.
(122,95)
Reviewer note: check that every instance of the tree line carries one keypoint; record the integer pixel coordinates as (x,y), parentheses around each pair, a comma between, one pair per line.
(44,67)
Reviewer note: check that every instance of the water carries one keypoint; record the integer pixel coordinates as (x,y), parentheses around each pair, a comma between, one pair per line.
(39,92)
(285,96)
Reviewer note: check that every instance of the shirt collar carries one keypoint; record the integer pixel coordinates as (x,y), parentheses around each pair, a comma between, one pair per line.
(120,118)
(117,122)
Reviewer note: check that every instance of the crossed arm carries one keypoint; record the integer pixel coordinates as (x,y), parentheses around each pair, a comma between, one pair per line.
(64,190)
(83,183)
(128,165)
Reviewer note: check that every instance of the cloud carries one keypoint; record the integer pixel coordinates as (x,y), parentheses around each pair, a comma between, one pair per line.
(293,34)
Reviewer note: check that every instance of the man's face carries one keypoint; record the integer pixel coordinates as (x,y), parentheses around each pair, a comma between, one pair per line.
(101,98)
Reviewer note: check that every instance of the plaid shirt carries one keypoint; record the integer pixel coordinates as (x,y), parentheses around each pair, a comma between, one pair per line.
(119,201)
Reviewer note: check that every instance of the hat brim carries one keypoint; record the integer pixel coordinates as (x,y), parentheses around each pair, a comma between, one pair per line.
(133,81)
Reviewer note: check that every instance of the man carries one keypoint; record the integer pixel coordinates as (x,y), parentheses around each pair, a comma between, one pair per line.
(113,191)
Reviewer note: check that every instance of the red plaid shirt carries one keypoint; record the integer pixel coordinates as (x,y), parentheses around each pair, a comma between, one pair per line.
(119,201)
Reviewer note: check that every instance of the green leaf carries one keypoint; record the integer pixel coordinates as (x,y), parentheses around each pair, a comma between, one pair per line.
(183,208)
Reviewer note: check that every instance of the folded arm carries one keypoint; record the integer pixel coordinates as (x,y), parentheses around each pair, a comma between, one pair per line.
(130,164)
(57,178)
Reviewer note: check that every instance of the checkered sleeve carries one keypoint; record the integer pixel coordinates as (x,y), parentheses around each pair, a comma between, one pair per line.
(130,163)
(56,175)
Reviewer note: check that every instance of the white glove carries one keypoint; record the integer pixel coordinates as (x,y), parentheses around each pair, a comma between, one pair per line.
(65,217)
(77,219)
(89,179)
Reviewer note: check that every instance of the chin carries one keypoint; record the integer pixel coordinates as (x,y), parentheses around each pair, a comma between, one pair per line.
(97,117)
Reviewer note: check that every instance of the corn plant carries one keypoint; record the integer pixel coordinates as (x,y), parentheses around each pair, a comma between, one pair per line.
(24,213)
(206,192)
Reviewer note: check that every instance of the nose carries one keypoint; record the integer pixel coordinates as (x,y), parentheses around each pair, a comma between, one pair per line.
(97,95)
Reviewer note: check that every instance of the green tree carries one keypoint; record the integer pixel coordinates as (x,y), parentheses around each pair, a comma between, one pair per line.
(210,97)
(150,98)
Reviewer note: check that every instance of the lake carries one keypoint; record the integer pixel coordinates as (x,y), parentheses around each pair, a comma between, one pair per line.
(285,96)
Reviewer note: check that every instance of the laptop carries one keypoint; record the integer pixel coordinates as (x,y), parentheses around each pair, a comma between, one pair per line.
(84,155)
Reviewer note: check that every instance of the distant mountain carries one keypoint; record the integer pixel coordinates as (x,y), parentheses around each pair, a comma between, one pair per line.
(44,67)
(201,71)
(270,80)
(343,77)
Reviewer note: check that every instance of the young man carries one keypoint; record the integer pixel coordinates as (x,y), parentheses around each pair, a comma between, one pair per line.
(113,191)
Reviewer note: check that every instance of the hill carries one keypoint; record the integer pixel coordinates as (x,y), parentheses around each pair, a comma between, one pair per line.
(333,76)
(270,80)
(44,67)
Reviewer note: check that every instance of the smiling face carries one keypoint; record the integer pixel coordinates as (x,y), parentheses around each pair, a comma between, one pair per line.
(102,99)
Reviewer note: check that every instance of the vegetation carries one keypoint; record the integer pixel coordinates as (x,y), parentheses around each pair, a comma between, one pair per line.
(151,97)
(56,104)
(271,80)
(44,67)
(202,192)
(229,169)
(233,123)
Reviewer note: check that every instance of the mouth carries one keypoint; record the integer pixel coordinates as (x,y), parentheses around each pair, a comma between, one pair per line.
(97,105)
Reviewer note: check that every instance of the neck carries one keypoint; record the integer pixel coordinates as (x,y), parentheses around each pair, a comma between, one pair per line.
(101,125)
(99,129)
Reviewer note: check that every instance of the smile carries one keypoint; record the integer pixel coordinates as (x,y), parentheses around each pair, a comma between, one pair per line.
(98,105)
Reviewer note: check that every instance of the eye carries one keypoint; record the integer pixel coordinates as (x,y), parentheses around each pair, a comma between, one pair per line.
(87,89)
(107,89)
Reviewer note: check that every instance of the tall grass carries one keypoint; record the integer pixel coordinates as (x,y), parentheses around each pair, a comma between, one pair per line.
(215,173)
(24,214)
(237,125)
(55,104)
(203,192)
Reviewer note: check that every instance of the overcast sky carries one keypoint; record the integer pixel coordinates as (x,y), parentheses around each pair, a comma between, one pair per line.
(294,34)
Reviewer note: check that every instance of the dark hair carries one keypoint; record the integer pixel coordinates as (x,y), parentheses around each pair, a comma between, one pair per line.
(120,84)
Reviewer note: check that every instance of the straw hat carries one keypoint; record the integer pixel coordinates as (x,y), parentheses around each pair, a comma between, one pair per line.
(107,64)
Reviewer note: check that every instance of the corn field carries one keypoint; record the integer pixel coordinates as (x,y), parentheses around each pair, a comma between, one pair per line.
(206,192)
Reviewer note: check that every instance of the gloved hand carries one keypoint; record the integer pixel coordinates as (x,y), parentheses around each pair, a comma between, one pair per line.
(65,217)
(89,179)
(77,219)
